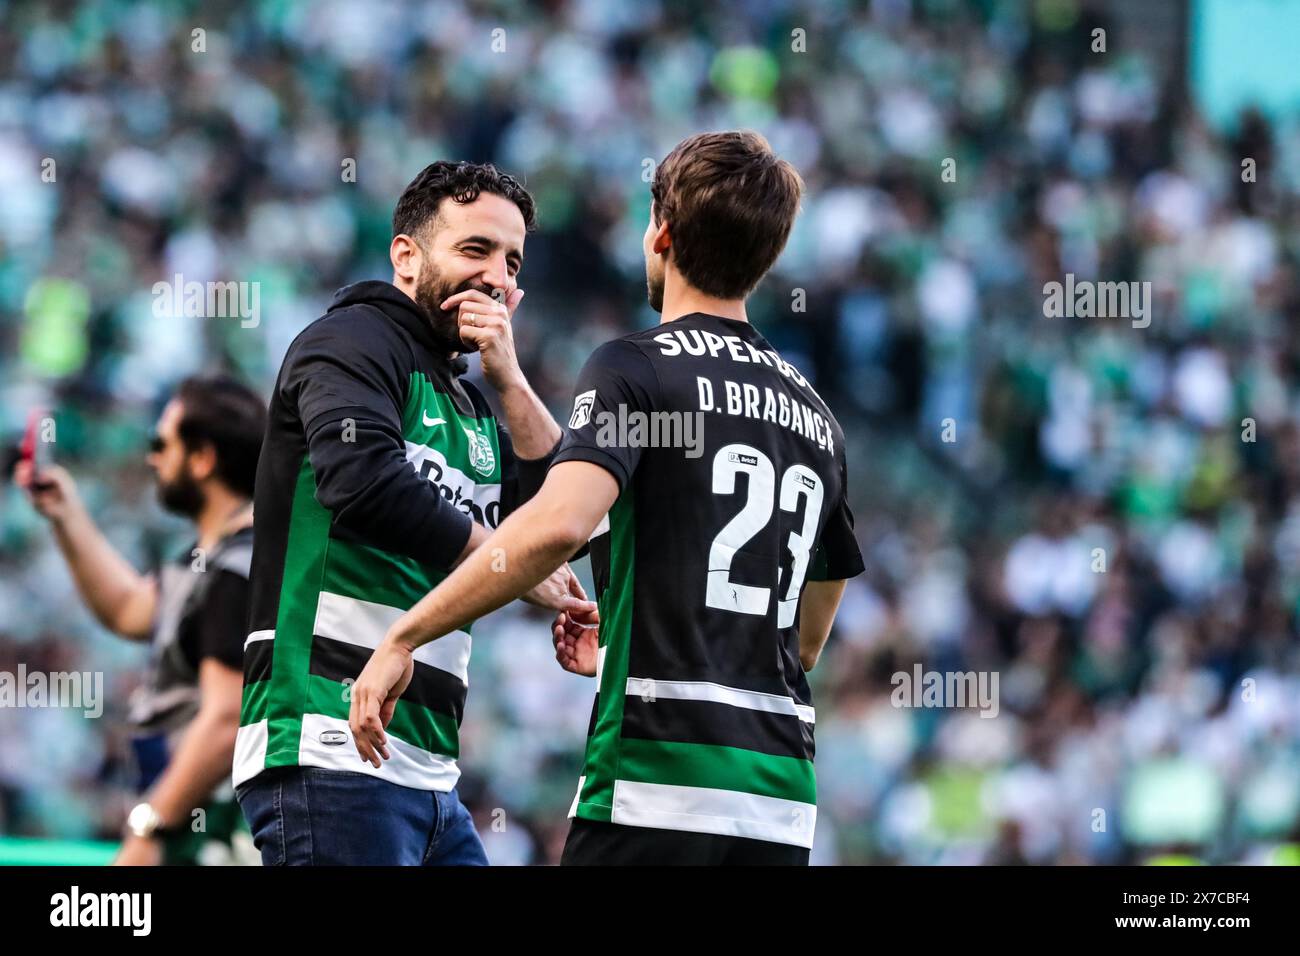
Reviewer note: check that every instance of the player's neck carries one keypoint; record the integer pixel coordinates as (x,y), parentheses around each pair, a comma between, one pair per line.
(724,308)
(222,512)
(681,299)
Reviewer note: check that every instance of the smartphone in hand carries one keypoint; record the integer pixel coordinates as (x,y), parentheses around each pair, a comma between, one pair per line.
(36,451)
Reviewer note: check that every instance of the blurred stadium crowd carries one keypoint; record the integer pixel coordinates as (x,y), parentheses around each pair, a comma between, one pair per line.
(1149,691)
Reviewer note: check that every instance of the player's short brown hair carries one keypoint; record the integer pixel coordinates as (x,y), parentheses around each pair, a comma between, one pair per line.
(729,202)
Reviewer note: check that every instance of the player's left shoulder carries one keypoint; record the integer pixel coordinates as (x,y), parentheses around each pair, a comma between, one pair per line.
(626,359)
(641,342)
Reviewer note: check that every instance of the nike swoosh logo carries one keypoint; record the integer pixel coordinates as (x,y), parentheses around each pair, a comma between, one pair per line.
(430,422)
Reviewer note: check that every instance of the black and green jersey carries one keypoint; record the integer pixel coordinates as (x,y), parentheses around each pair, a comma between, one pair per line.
(377,458)
(732,483)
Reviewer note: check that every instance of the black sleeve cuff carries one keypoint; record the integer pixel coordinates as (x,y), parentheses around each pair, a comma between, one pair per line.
(532,471)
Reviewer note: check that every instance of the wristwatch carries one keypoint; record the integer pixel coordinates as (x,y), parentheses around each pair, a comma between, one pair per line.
(143,821)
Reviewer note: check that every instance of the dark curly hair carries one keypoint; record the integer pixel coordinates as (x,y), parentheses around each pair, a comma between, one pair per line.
(216,410)
(462,182)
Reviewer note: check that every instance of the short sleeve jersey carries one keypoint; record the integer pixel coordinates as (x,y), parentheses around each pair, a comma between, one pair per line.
(732,494)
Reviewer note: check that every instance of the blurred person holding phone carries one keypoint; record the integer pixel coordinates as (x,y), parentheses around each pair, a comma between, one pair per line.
(193,612)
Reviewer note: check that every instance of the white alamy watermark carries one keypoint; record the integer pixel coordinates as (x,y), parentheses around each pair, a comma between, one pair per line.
(633,428)
(77,690)
(75,908)
(964,689)
(209,300)
(1085,299)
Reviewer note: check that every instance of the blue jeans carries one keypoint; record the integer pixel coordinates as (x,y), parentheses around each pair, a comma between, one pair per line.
(307,816)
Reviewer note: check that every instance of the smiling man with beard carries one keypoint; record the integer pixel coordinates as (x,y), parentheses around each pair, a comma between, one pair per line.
(193,611)
(381,471)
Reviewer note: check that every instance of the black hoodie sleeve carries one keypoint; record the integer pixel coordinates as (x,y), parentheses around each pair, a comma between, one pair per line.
(347,376)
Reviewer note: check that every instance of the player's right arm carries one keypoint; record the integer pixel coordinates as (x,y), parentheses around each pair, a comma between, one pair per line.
(121,598)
